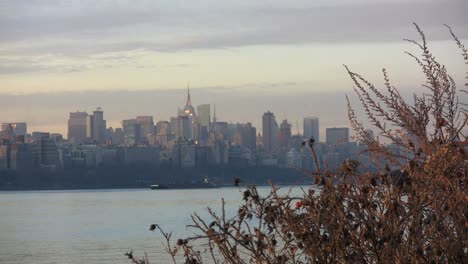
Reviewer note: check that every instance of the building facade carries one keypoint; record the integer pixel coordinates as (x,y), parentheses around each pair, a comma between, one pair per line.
(337,135)
(77,127)
(311,128)
(269,132)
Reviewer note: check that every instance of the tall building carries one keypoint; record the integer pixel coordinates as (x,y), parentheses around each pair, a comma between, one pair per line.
(146,127)
(163,133)
(204,116)
(131,131)
(188,108)
(185,123)
(18,129)
(99,126)
(311,128)
(45,150)
(337,135)
(77,127)
(204,119)
(270,132)
(284,136)
(246,136)
(183,127)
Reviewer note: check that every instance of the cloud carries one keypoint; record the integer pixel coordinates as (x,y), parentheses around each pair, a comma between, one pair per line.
(84,27)
(51,63)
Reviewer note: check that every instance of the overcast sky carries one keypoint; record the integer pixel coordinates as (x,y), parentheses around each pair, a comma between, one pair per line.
(136,57)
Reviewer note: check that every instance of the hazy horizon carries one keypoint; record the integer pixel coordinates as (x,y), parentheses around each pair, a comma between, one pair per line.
(246,57)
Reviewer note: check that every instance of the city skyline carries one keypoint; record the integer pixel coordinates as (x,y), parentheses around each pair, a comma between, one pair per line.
(81,124)
(170,110)
(241,55)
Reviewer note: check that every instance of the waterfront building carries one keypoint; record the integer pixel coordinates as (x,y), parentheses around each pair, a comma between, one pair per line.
(141,154)
(45,151)
(184,153)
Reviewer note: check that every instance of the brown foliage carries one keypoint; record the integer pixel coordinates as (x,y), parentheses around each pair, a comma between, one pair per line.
(416,214)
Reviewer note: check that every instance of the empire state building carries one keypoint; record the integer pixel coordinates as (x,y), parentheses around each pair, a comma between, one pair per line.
(185,122)
(188,108)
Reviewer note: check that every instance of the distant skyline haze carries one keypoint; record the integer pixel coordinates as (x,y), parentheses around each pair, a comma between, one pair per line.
(135,58)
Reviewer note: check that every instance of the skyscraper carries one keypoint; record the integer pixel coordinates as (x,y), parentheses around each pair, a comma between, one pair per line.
(270,132)
(246,136)
(311,128)
(99,126)
(131,131)
(77,127)
(188,108)
(284,136)
(337,135)
(203,119)
(146,127)
(184,125)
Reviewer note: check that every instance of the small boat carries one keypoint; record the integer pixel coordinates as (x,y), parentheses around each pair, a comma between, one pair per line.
(200,185)
(158,187)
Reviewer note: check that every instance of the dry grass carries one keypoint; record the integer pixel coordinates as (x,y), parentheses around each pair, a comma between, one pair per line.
(417,214)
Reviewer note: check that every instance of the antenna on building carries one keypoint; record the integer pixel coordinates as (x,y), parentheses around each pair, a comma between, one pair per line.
(188,102)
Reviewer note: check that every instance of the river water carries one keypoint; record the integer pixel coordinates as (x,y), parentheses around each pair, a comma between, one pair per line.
(99,226)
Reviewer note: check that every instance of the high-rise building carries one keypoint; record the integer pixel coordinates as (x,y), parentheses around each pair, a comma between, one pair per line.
(311,128)
(246,136)
(45,150)
(337,135)
(131,131)
(204,119)
(185,123)
(163,133)
(188,108)
(222,129)
(183,127)
(270,132)
(77,127)
(18,129)
(118,137)
(146,127)
(99,126)
(284,136)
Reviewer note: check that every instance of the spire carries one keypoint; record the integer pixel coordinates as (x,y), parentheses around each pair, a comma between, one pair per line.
(213,124)
(188,103)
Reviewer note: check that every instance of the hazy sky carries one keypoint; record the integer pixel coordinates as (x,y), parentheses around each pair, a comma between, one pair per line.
(135,57)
